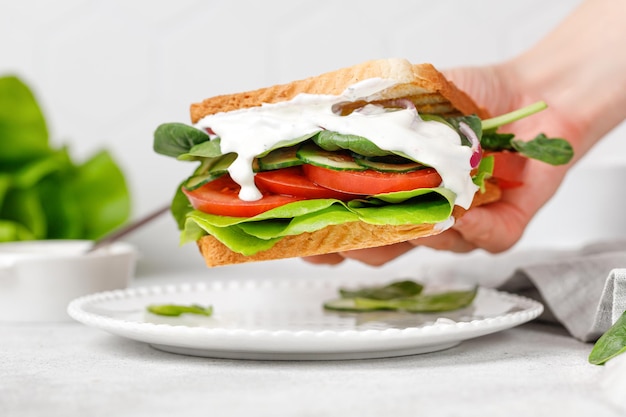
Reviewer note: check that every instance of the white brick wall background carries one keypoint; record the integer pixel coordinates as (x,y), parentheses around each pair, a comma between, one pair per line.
(108,72)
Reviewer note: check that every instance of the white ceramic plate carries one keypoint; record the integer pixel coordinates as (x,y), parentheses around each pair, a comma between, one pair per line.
(284,320)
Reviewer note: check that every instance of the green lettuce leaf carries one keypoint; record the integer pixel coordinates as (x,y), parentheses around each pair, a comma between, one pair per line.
(251,235)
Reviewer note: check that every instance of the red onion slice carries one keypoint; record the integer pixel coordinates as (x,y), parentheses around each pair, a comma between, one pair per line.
(477,151)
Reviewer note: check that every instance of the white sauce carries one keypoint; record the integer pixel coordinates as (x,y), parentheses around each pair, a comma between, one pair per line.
(250,132)
(444,225)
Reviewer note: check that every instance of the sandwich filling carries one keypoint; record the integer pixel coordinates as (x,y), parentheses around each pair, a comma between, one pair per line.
(254,131)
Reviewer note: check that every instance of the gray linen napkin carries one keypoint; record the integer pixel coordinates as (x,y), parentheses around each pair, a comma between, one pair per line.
(585,290)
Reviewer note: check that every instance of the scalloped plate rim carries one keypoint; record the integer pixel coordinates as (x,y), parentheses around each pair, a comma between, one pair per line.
(234,343)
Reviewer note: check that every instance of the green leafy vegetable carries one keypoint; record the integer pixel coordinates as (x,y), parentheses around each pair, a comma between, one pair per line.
(472,121)
(552,151)
(333,141)
(251,235)
(493,141)
(23,131)
(175,310)
(511,117)
(400,296)
(398,289)
(611,343)
(174,139)
(208,149)
(43,193)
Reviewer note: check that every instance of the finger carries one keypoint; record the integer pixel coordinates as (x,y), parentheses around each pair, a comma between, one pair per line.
(380,255)
(450,240)
(494,228)
(326,259)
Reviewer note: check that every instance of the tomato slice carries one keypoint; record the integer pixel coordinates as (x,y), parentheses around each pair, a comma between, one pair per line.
(371,182)
(221,197)
(508,168)
(291,181)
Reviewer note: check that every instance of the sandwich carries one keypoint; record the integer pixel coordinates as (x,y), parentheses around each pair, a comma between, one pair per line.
(370,155)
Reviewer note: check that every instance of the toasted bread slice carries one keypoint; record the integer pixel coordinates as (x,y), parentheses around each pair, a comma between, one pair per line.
(336,238)
(422,84)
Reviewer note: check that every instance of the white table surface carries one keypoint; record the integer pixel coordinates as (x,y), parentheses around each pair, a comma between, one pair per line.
(69,369)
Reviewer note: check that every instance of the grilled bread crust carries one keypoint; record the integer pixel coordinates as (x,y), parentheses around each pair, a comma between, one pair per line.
(431,92)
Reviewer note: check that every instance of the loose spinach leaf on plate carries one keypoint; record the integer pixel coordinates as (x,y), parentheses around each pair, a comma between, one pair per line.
(397,289)
(402,296)
(175,310)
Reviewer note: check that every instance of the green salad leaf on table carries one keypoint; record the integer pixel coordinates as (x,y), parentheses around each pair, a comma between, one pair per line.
(611,344)
(43,193)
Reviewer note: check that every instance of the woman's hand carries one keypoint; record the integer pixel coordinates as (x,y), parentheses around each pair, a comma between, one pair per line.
(498,226)
(578,73)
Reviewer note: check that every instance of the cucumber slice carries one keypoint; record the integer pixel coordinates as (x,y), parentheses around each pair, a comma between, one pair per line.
(278,158)
(310,153)
(388,163)
(210,169)
(197,181)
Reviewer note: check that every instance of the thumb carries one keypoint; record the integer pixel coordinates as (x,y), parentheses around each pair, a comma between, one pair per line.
(494,228)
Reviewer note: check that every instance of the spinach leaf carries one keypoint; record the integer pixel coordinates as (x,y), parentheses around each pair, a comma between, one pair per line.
(611,343)
(472,121)
(22,126)
(103,193)
(208,149)
(5,183)
(552,151)
(24,207)
(174,139)
(333,141)
(175,310)
(398,289)
(180,207)
(288,143)
(494,141)
(11,231)
(375,298)
(443,301)
(43,194)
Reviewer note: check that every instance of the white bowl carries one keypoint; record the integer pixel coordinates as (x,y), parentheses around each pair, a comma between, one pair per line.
(38,279)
